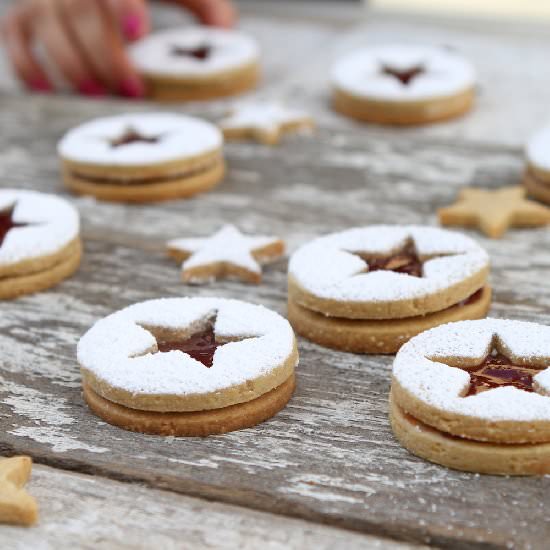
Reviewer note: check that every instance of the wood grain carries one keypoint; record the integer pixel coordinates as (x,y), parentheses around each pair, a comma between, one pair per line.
(329,457)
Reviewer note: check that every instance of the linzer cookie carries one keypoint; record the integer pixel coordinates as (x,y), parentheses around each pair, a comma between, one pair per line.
(193,63)
(494,211)
(264,122)
(17,507)
(474,396)
(188,366)
(370,289)
(537,173)
(142,157)
(403,84)
(39,242)
(227,254)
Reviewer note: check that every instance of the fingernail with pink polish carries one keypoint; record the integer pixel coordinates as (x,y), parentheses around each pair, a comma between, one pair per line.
(131,26)
(40,84)
(91,88)
(132,87)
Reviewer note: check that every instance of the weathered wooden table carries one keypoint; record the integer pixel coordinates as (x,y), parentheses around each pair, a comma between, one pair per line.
(326,472)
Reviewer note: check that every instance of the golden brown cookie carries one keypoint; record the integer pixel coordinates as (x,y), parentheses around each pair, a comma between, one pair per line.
(264,122)
(403,85)
(143,157)
(17,507)
(537,173)
(369,289)
(494,212)
(227,254)
(464,391)
(39,242)
(196,63)
(164,365)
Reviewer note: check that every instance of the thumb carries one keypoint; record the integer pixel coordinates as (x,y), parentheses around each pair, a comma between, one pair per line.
(132,17)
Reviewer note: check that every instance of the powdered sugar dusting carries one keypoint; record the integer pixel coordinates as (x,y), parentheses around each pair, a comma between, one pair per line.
(445,73)
(113,348)
(178,136)
(439,385)
(538,149)
(229,50)
(53,223)
(228,246)
(269,117)
(327,267)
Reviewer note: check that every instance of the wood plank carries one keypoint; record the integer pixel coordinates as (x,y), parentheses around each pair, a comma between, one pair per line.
(81,511)
(329,456)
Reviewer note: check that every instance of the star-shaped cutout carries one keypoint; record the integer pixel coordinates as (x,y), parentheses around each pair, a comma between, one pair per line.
(264,122)
(405,76)
(497,370)
(201,52)
(494,212)
(405,260)
(7,222)
(17,507)
(201,346)
(131,135)
(227,254)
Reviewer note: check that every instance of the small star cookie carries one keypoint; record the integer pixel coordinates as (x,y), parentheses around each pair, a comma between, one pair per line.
(17,507)
(264,122)
(226,254)
(494,212)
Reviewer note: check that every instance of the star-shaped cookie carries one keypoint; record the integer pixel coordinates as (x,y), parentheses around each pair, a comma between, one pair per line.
(264,122)
(16,505)
(226,254)
(494,212)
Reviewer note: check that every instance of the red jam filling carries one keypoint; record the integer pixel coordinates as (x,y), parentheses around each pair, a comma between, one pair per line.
(498,370)
(132,136)
(405,76)
(7,223)
(201,346)
(201,53)
(405,261)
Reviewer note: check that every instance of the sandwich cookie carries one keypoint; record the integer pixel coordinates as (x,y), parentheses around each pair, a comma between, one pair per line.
(403,84)
(142,157)
(370,289)
(188,366)
(474,396)
(537,174)
(39,242)
(194,63)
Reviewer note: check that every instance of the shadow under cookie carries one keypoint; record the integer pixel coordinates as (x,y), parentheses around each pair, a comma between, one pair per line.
(380,335)
(465,454)
(196,423)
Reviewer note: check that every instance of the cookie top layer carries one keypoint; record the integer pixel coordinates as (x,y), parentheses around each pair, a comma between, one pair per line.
(119,354)
(335,268)
(42,225)
(403,73)
(421,368)
(538,150)
(139,139)
(193,52)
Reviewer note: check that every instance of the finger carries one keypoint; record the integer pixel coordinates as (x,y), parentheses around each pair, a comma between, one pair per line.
(19,50)
(96,31)
(132,16)
(62,51)
(218,13)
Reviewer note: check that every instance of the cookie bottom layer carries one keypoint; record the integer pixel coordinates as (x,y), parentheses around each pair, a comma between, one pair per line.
(378,336)
(405,112)
(464,454)
(147,192)
(66,263)
(193,424)
(536,187)
(227,83)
